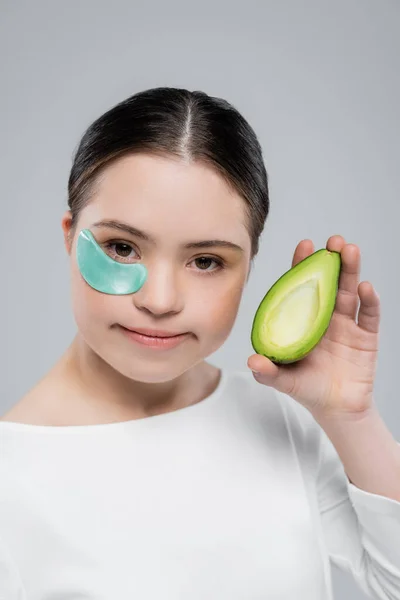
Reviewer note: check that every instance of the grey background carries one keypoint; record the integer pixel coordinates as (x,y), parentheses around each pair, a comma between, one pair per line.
(319,82)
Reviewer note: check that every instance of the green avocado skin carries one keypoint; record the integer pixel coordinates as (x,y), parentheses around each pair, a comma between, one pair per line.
(330,260)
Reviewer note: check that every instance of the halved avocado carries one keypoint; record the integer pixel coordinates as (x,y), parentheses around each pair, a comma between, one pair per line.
(296,311)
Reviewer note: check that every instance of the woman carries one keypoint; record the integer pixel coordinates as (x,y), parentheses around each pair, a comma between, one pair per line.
(137,469)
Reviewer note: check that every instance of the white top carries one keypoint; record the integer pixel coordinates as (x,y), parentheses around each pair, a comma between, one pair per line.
(241,496)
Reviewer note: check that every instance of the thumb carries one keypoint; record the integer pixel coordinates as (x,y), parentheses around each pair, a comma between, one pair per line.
(280,377)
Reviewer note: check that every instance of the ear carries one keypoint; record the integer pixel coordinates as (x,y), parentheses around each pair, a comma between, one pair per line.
(66,225)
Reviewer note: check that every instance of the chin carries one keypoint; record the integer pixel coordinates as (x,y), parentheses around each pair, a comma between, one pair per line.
(141,369)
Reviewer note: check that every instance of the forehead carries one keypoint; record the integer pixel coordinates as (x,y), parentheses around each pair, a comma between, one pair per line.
(165,178)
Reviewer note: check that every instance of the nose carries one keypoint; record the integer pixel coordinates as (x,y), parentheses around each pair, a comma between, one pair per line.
(162,291)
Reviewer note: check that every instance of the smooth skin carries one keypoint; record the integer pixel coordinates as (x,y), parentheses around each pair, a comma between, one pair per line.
(338,375)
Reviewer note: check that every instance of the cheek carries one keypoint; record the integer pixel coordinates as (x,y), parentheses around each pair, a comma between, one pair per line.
(222,307)
(90,307)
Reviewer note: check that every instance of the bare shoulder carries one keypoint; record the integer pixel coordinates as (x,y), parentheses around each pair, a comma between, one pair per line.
(34,408)
(27,410)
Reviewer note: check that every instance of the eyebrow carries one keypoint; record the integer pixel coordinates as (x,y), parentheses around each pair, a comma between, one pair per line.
(121,226)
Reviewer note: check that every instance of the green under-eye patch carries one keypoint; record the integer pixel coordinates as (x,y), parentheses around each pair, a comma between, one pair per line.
(103,273)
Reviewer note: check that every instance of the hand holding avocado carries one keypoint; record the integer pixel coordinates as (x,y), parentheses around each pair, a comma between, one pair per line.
(308,342)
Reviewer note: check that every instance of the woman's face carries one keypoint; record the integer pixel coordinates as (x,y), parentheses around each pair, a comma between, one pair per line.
(186,290)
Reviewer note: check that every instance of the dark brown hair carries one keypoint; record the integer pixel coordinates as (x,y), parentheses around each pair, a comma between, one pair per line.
(180,123)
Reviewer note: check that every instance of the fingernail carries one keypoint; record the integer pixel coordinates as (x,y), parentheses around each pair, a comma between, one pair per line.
(256,372)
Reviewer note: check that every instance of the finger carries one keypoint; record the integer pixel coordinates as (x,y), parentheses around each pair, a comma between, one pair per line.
(347,299)
(303,249)
(281,377)
(370,307)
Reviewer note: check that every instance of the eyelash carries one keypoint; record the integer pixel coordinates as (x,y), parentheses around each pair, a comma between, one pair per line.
(220,262)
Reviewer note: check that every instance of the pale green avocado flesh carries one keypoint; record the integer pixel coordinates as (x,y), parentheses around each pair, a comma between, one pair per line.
(296,311)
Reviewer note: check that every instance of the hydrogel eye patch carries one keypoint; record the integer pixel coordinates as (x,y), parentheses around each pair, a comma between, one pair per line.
(103,273)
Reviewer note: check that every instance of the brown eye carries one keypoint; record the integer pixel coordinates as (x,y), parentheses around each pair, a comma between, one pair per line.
(208,261)
(119,250)
(122,249)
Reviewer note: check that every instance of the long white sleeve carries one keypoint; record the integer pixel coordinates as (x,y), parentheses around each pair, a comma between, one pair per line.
(361,530)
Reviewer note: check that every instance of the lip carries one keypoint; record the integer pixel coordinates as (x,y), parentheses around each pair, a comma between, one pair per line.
(156,343)
(155,332)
